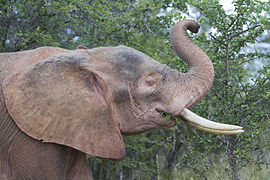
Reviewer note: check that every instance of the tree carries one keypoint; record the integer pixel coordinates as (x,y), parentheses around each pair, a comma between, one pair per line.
(29,24)
(238,96)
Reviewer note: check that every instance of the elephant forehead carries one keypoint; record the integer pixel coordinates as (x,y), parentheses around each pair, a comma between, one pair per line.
(130,63)
(127,64)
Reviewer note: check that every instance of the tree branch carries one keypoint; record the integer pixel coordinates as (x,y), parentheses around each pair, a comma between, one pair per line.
(242,32)
(220,42)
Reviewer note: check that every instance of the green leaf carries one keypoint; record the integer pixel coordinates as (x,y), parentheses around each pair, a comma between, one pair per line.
(168,116)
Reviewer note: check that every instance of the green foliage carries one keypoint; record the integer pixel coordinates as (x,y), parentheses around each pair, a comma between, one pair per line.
(69,23)
(240,93)
(235,98)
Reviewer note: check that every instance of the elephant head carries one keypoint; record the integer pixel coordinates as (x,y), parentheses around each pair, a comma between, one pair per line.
(88,98)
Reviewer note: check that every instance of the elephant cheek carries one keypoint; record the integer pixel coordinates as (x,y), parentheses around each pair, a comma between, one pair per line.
(123,117)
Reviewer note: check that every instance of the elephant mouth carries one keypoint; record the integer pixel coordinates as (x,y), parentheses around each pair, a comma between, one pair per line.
(207,125)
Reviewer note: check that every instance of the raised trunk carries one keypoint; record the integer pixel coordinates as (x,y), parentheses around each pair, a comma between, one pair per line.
(201,73)
(193,85)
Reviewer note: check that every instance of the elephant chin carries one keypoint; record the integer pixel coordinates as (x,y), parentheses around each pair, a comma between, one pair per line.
(207,125)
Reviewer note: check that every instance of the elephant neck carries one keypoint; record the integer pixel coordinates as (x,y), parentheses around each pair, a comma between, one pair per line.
(21,154)
(9,130)
(8,133)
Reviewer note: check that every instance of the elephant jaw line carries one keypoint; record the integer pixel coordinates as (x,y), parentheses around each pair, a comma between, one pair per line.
(207,125)
(155,121)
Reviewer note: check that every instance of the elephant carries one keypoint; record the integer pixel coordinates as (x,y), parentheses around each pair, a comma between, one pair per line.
(58,105)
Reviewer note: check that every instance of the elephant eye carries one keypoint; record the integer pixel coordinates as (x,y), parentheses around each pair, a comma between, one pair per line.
(151,80)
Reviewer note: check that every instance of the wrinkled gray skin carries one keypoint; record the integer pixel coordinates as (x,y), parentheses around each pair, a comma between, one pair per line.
(21,156)
(141,88)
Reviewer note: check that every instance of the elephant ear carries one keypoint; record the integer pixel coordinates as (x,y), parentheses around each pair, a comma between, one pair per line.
(59,101)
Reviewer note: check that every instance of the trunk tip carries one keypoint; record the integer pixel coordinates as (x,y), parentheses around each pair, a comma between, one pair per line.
(191,25)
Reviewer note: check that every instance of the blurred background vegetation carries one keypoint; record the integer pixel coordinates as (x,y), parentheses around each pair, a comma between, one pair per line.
(236,40)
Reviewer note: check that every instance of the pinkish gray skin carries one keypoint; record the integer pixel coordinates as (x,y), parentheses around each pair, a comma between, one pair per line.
(59,104)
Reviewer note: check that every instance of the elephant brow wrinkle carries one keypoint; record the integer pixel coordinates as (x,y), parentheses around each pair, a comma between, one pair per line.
(174,90)
(135,106)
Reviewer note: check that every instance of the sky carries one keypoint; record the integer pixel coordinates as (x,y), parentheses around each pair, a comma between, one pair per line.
(227,5)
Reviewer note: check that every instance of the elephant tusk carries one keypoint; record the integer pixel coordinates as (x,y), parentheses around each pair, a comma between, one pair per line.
(207,125)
